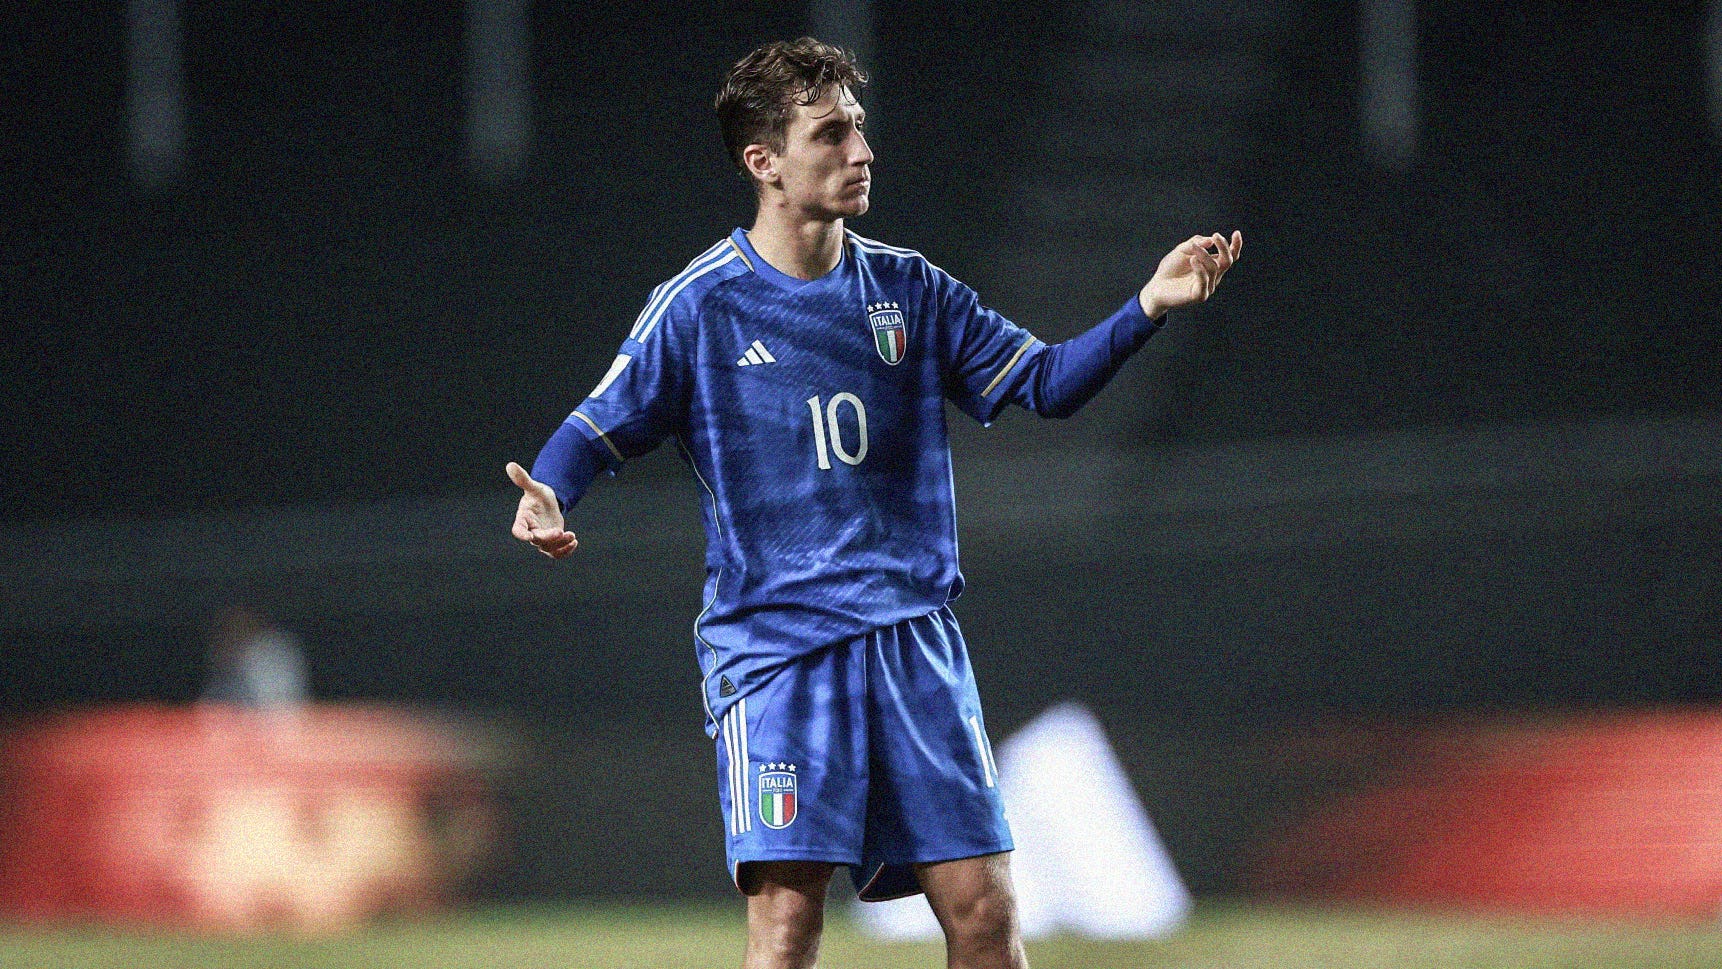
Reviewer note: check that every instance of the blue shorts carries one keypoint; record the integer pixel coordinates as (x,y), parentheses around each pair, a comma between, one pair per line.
(871,754)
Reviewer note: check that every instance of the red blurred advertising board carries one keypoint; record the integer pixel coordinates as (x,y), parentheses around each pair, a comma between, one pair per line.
(1601,815)
(227,818)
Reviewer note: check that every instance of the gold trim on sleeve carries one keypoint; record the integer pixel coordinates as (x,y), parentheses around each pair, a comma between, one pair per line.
(1009,366)
(601,435)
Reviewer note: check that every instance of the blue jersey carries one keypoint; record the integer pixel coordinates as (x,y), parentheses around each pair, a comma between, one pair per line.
(812,414)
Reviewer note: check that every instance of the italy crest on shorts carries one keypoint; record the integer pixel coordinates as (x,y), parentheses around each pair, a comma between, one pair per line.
(890,336)
(776,794)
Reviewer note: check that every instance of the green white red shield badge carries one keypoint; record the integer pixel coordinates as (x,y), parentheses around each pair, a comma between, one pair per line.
(890,336)
(777,794)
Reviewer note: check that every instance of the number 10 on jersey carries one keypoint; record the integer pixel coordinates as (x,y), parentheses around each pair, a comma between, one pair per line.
(826,417)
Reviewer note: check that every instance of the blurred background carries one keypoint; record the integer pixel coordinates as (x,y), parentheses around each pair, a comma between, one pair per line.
(284,286)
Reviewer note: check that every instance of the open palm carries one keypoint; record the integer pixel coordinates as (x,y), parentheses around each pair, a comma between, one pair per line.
(538,518)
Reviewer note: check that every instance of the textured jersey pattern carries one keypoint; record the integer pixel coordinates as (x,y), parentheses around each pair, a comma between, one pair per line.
(812,415)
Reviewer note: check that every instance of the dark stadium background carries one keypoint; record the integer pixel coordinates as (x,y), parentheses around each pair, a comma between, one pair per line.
(1447,439)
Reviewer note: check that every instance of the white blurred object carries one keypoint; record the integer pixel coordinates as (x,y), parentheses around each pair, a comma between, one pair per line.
(254,663)
(1087,859)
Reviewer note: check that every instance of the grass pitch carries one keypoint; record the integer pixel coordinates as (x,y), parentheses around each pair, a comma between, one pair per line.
(1234,937)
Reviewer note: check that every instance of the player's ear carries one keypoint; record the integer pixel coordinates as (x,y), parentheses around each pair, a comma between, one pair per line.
(761,162)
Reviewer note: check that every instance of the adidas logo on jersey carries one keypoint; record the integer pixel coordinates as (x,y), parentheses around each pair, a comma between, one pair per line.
(756,354)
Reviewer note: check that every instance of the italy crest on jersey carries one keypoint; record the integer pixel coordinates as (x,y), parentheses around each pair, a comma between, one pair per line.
(776,794)
(890,337)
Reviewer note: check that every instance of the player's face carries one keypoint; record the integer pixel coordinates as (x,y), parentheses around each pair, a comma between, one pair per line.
(824,165)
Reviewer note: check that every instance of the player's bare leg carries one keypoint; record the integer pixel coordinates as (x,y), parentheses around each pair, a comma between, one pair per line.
(785,912)
(976,906)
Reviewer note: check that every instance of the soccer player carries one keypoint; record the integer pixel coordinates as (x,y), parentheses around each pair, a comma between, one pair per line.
(802,371)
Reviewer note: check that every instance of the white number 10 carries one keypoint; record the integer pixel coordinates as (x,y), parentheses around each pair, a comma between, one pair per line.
(828,417)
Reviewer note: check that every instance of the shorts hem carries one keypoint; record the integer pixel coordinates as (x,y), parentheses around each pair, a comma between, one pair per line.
(787,855)
(973,851)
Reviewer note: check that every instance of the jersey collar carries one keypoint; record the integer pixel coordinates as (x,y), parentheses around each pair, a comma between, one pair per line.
(773,275)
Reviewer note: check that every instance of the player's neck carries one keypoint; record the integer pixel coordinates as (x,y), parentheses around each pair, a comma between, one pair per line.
(796,247)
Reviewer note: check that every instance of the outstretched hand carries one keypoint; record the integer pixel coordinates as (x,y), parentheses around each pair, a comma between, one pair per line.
(1189,274)
(538,520)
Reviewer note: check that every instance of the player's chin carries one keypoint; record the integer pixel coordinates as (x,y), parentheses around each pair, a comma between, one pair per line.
(844,206)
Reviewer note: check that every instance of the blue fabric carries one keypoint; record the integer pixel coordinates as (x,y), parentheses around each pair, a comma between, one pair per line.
(812,415)
(567,463)
(882,743)
(1064,376)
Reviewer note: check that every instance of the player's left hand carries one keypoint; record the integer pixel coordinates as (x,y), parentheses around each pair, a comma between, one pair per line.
(1190,273)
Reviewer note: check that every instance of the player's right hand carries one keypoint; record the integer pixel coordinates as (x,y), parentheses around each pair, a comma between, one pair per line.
(538,520)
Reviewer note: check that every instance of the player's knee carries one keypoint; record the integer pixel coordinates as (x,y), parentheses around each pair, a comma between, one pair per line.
(790,943)
(983,922)
(786,929)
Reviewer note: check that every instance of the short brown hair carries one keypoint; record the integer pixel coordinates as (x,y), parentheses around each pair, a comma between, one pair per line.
(754,103)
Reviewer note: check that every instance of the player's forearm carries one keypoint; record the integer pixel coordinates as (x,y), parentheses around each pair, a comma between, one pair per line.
(568,463)
(1067,375)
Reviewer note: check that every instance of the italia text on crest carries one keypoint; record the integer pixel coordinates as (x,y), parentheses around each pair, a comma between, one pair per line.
(777,800)
(890,336)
